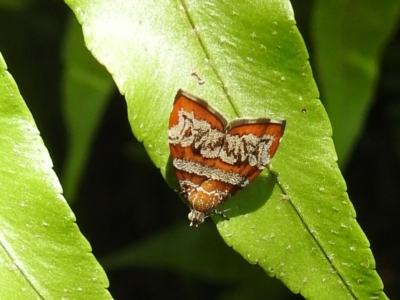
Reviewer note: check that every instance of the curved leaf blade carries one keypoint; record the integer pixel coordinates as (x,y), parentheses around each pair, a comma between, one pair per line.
(248,60)
(43,253)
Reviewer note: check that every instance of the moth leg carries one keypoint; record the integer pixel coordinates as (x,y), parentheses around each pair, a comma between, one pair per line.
(220,213)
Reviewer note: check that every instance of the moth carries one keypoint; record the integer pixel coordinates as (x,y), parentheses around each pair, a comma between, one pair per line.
(214,159)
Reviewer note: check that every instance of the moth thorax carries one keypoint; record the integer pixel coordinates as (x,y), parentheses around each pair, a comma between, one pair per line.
(204,198)
(196,217)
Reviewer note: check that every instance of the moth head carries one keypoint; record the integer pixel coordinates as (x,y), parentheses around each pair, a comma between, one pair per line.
(196,217)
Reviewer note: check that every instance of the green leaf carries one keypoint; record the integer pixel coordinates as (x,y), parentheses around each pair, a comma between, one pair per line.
(349,39)
(180,254)
(183,257)
(43,253)
(296,222)
(87,88)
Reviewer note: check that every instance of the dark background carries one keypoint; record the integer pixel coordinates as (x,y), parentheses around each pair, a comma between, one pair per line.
(119,169)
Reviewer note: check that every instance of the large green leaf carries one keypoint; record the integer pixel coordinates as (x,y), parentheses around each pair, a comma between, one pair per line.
(349,39)
(43,254)
(296,221)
